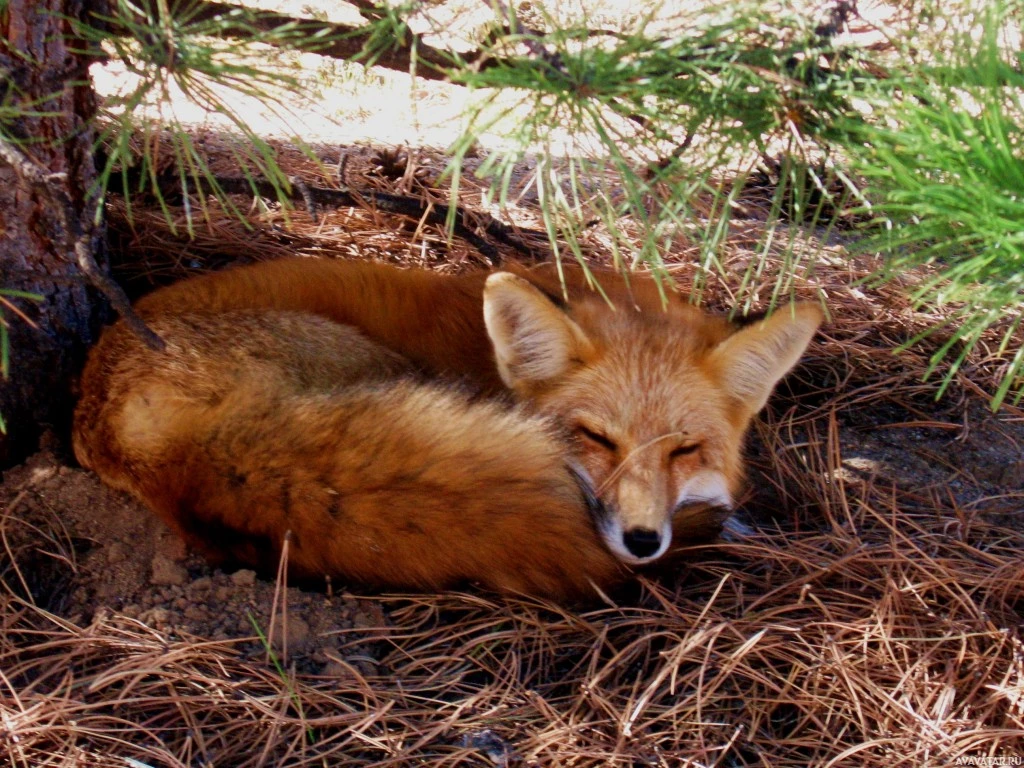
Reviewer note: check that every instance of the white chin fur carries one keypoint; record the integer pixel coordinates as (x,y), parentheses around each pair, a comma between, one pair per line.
(705,487)
(611,531)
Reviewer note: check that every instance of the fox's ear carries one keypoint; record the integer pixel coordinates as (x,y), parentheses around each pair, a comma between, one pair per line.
(752,360)
(534,339)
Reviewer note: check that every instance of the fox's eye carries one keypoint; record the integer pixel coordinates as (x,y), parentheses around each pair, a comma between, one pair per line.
(596,437)
(684,450)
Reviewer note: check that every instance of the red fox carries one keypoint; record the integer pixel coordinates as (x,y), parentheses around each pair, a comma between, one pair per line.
(364,410)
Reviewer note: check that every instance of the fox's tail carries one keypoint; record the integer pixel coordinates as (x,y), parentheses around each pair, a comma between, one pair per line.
(251,426)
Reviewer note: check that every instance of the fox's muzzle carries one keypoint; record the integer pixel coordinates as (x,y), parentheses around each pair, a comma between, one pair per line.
(705,497)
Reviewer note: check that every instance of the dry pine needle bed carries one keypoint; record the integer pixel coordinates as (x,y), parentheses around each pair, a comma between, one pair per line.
(888,637)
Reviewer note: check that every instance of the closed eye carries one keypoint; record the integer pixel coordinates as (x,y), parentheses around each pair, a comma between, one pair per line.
(684,450)
(597,438)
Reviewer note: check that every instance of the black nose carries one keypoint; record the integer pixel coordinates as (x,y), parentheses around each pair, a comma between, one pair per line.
(642,542)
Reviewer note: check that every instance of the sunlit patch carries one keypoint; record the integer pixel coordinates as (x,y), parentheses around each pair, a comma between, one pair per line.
(41,474)
(856,470)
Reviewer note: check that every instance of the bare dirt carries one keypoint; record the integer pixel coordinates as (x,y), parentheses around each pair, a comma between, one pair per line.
(128,564)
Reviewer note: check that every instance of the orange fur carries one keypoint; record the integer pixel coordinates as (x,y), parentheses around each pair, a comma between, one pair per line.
(318,398)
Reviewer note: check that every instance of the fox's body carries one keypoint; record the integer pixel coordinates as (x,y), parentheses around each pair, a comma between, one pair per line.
(329,399)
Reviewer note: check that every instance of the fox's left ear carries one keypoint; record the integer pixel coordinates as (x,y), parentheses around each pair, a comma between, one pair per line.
(534,340)
(751,361)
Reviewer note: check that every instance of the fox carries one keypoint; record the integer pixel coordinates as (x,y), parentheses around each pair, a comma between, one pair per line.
(542,431)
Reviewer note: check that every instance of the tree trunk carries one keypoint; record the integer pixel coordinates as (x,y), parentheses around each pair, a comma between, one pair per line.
(44,75)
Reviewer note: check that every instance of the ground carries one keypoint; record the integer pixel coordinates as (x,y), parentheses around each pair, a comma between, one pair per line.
(874,610)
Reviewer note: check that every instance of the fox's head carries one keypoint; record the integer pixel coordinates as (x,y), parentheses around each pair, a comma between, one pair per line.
(656,401)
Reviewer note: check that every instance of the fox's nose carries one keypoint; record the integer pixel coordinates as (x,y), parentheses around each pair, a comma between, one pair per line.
(642,542)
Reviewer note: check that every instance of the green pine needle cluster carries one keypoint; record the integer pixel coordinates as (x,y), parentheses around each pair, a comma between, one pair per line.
(633,123)
(943,164)
(185,54)
(926,139)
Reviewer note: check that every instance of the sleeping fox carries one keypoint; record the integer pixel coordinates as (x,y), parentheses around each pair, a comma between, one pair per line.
(407,429)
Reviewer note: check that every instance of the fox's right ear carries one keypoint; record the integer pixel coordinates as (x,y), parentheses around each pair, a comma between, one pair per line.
(534,340)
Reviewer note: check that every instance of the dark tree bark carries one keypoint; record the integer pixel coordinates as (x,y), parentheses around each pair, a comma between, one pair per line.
(40,222)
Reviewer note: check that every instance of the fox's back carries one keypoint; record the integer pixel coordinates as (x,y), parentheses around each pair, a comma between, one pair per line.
(433,320)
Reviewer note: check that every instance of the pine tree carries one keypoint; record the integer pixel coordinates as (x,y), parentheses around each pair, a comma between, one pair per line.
(632,119)
(49,315)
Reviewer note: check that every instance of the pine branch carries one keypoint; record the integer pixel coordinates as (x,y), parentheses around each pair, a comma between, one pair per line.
(348,43)
(468,223)
(338,41)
